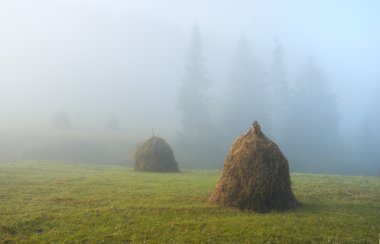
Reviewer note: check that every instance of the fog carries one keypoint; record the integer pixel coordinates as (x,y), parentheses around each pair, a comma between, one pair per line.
(110,71)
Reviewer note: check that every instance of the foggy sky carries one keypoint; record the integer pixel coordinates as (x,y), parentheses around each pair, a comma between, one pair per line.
(97,59)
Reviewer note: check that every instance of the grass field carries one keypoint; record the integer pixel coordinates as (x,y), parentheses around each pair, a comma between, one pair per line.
(62,202)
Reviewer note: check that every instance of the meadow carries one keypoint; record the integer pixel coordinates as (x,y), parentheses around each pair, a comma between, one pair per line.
(68,202)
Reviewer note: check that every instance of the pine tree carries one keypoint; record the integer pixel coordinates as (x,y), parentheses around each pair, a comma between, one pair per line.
(113,124)
(192,101)
(247,98)
(312,135)
(61,121)
(197,137)
(279,94)
(368,139)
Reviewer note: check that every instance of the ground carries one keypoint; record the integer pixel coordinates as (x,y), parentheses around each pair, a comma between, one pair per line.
(67,202)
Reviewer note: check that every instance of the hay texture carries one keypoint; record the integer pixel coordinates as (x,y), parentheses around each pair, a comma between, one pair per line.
(255,176)
(155,155)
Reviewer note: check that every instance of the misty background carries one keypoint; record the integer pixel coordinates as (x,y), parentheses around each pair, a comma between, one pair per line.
(86,81)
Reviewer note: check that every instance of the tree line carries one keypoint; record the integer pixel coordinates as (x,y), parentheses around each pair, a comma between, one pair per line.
(300,114)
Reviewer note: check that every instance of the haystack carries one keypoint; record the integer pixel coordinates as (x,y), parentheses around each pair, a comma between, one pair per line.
(255,176)
(155,155)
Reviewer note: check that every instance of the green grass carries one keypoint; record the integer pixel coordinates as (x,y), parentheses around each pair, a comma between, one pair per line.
(62,202)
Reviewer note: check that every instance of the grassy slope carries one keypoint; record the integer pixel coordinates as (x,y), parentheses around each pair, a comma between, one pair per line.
(51,202)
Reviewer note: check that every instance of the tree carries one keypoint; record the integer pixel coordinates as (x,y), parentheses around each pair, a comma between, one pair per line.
(196,138)
(113,124)
(247,98)
(368,139)
(279,94)
(61,121)
(192,101)
(312,136)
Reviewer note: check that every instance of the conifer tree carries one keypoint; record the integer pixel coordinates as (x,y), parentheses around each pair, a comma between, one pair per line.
(247,97)
(197,137)
(279,94)
(312,134)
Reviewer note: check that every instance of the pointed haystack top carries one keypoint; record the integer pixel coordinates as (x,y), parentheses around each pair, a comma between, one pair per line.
(257,129)
(255,175)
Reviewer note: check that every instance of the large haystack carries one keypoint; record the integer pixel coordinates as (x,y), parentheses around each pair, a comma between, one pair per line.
(255,176)
(155,155)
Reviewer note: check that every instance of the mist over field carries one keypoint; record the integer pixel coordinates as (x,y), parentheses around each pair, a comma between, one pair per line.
(86,81)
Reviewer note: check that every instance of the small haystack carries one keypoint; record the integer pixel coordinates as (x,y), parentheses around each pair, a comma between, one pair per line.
(155,155)
(255,176)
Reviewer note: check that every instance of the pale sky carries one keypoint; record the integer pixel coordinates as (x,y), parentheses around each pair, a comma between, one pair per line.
(95,59)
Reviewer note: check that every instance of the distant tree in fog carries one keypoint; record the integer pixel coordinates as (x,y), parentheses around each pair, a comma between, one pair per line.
(61,121)
(113,124)
(195,137)
(279,93)
(369,138)
(247,95)
(312,137)
(192,101)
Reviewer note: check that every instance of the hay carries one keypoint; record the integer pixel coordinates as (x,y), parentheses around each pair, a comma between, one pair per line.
(155,155)
(255,176)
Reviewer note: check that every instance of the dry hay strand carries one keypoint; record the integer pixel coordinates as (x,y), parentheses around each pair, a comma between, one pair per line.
(155,155)
(255,176)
